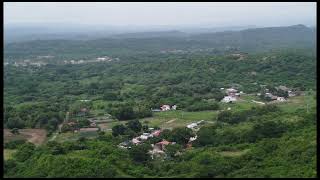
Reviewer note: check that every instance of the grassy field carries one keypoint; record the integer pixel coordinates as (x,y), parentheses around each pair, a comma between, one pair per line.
(171,119)
(7,153)
(305,102)
(69,136)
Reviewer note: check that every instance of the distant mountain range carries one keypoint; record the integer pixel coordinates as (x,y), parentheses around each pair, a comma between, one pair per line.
(248,40)
(30,32)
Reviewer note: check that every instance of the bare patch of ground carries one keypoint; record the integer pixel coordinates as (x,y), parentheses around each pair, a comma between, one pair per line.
(35,136)
(171,121)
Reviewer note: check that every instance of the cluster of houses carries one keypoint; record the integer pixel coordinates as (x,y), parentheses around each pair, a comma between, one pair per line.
(272,97)
(29,63)
(165,107)
(158,149)
(138,140)
(232,95)
(98,59)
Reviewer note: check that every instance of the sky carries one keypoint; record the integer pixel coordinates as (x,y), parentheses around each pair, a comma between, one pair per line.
(161,13)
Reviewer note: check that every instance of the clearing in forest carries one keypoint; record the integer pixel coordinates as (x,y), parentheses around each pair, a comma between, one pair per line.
(35,136)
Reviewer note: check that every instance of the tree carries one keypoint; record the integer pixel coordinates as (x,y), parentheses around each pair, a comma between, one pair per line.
(15,122)
(24,151)
(181,135)
(172,149)
(140,153)
(118,130)
(145,128)
(224,116)
(123,113)
(206,136)
(134,125)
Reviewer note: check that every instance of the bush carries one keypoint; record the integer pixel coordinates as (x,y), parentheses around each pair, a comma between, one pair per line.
(118,130)
(24,152)
(140,153)
(134,125)
(123,113)
(14,144)
(181,135)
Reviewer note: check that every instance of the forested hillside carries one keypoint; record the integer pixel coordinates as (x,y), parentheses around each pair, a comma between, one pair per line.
(251,40)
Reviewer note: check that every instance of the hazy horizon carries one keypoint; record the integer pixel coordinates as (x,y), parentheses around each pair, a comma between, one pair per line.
(160,14)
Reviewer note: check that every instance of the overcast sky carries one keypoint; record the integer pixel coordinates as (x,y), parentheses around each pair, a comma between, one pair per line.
(165,13)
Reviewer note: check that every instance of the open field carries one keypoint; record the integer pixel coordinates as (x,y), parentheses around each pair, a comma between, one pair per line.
(7,153)
(304,102)
(69,136)
(35,136)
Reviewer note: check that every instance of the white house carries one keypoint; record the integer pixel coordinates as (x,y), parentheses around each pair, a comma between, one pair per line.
(228,99)
(281,99)
(101,58)
(165,107)
(174,107)
(231,90)
(192,138)
(144,137)
(192,125)
(200,122)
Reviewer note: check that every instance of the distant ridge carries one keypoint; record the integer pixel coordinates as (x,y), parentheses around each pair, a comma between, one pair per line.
(151,34)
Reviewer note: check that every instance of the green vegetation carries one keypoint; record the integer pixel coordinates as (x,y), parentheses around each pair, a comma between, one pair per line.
(241,139)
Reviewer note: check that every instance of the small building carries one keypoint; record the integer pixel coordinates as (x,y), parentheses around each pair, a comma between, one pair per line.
(200,122)
(274,97)
(101,58)
(135,141)
(125,145)
(165,107)
(291,93)
(228,99)
(192,139)
(192,125)
(174,107)
(229,108)
(93,124)
(161,145)
(281,99)
(231,90)
(143,137)
(156,133)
